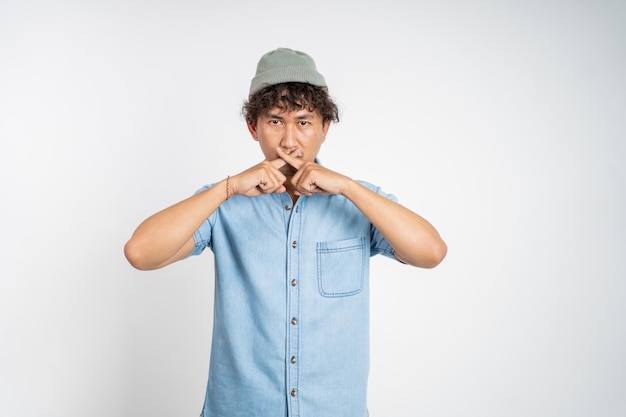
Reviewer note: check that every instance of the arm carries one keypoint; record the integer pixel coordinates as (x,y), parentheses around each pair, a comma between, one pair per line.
(167,236)
(415,240)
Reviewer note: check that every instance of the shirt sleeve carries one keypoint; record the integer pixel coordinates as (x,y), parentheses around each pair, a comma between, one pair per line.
(202,236)
(379,244)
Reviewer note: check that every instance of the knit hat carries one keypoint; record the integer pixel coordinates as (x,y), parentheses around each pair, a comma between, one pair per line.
(285,65)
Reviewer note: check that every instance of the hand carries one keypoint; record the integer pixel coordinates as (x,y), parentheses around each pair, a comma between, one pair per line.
(263,178)
(312,178)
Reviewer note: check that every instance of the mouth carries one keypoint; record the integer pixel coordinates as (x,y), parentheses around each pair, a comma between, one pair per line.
(287,169)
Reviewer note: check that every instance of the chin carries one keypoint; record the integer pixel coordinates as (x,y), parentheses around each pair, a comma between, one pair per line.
(288,171)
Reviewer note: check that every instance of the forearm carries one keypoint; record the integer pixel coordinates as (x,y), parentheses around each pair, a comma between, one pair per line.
(167,236)
(414,239)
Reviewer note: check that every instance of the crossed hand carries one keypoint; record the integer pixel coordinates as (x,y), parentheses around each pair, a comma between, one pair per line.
(268,177)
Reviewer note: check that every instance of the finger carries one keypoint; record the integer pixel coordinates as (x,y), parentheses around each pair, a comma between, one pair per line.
(278,163)
(273,182)
(308,187)
(265,187)
(294,162)
(280,190)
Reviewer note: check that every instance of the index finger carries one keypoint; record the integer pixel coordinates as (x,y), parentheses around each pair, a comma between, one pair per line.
(278,163)
(294,162)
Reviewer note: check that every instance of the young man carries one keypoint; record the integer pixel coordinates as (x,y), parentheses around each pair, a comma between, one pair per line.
(292,241)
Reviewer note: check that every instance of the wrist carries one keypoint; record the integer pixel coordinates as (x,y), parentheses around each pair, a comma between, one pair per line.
(348,187)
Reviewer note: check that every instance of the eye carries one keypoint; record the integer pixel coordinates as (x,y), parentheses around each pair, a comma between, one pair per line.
(274,122)
(304,123)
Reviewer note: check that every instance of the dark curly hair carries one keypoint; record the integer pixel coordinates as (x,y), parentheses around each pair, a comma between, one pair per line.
(289,97)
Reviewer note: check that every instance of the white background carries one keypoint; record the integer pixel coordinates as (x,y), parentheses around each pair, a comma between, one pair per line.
(503,123)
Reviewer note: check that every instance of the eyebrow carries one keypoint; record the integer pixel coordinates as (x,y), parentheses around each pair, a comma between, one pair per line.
(299,117)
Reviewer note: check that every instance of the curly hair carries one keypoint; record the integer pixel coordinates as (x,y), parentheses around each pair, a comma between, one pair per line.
(289,97)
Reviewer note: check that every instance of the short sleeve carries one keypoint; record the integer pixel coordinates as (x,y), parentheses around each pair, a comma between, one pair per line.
(202,236)
(379,244)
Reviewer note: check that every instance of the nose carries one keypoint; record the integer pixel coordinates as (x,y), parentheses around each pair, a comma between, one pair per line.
(289,139)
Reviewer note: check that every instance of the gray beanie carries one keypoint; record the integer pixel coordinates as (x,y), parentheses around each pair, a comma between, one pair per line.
(285,65)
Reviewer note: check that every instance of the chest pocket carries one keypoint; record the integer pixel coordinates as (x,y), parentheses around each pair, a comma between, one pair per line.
(342,266)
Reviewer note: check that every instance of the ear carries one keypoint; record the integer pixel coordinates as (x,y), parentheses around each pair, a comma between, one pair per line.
(252,129)
(325,130)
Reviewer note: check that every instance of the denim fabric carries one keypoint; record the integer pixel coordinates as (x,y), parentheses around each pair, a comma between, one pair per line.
(291,310)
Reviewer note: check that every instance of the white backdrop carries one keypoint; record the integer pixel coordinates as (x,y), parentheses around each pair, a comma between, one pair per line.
(500,122)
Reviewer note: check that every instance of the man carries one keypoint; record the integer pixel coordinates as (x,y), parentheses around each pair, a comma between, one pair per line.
(292,241)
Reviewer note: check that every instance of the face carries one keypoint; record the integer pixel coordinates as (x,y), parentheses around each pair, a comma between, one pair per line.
(299,133)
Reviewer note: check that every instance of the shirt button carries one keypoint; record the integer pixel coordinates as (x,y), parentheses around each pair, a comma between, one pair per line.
(294,321)
(293,392)
(293,359)
(294,244)
(294,282)
(287,207)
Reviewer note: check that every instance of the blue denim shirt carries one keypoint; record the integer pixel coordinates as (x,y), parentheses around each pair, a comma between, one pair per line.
(291,310)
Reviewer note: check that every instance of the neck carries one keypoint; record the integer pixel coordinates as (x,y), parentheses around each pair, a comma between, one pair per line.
(290,189)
